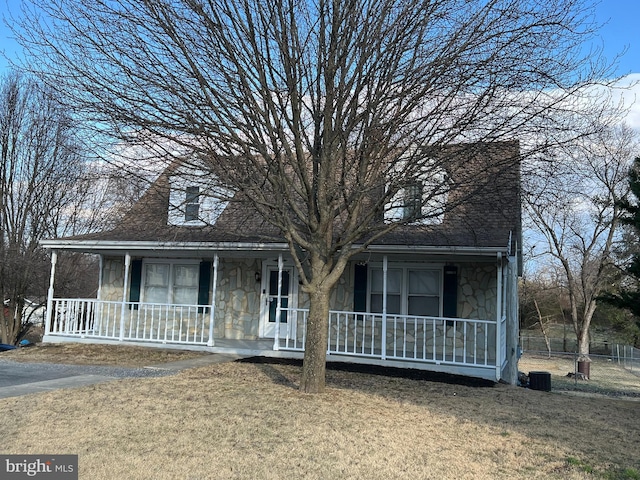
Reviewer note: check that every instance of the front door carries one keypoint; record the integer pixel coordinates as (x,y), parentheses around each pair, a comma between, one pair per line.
(270,299)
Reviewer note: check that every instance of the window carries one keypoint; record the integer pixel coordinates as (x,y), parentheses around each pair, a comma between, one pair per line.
(410,291)
(394,290)
(196,197)
(192,204)
(412,201)
(170,283)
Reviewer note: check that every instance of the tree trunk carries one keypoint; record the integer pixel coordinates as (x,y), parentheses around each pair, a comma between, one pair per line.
(315,353)
(583,334)
(8,328)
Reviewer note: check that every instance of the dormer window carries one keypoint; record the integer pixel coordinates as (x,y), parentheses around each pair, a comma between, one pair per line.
(419,201)
(192,204)
(196,199)
(412,208)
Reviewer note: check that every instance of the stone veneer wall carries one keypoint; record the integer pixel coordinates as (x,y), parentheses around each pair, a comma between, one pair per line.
(477,291)
(237,313)
(237,299)
(112,279)
(237,295)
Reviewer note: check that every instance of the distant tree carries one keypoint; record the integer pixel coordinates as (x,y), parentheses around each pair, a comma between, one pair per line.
(628,294)
(311,109)
(577,211)
(41,170)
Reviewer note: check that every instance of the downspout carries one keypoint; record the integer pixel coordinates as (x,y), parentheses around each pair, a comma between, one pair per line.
(213,300)
(276,341)
(498,316)
(383,343)
(125,292)
(54,260)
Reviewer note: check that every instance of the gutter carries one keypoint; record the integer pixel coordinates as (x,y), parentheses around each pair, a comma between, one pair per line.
(116,245)
(85,245)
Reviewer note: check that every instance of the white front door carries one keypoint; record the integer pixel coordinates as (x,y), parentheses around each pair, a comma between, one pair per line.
(270,301)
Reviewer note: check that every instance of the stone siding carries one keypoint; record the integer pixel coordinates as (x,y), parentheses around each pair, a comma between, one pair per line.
(477,291)
(237,299)
(237,307)
(112,279)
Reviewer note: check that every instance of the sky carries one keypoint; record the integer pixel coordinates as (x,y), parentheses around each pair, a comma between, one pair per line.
(618,34)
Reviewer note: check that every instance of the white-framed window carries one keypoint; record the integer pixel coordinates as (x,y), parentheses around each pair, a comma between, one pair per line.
(170,282)
(192,203)
(196,198)
(410,290)
(412,208)
(421,200)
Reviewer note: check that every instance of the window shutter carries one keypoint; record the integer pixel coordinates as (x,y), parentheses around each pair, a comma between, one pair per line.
(360,288)
(450,292)
(136,280)
(203,285)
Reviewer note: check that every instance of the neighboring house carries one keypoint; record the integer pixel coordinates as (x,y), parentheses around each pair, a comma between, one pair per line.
(33,311)
(188,271)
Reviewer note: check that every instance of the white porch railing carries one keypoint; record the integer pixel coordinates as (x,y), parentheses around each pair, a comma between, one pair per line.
(407,338)
(149,322)
(433,340)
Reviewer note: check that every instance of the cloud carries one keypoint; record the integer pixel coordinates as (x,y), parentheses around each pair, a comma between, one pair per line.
(626,92)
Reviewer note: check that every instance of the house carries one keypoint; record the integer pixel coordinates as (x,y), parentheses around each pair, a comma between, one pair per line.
(33,311)
(439,296)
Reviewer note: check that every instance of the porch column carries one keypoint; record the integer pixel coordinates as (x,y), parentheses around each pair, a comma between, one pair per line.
(54,260)
(276,341)
(499,301)
(213,300)
(125,292)
(383,343)
(100,266)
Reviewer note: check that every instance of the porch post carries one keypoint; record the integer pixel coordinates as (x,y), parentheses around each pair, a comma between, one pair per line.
(383,343)
(213,300)
(100,266)
(54,260)
(499,301)
(276,341)
(125,292)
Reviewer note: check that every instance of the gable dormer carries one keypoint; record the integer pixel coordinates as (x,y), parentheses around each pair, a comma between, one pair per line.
(196,198)
(420,201)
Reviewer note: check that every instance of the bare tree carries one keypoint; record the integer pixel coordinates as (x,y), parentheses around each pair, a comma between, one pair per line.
(577,212)
(39,173)
(309,110)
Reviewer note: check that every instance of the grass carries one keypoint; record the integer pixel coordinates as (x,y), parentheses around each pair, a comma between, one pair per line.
(606,376)
(248,420)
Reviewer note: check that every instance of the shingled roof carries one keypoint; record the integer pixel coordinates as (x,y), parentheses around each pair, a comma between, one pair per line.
(487,215)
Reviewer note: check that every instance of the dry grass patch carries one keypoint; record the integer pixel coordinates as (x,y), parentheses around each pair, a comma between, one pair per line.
(92,354)
(606,376)
(248,421)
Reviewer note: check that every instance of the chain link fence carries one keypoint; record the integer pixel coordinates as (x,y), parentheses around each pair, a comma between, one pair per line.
(612,369)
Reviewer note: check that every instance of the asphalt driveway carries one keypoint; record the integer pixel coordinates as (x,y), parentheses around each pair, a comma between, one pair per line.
(17,378)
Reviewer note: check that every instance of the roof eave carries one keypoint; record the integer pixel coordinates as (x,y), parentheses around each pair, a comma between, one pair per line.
(102,246)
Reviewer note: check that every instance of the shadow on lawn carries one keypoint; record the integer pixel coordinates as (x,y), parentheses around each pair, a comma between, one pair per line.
(601,432)
(267,365)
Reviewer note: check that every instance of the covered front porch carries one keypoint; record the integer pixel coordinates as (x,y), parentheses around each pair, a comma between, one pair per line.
(460,346)
(464,346)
